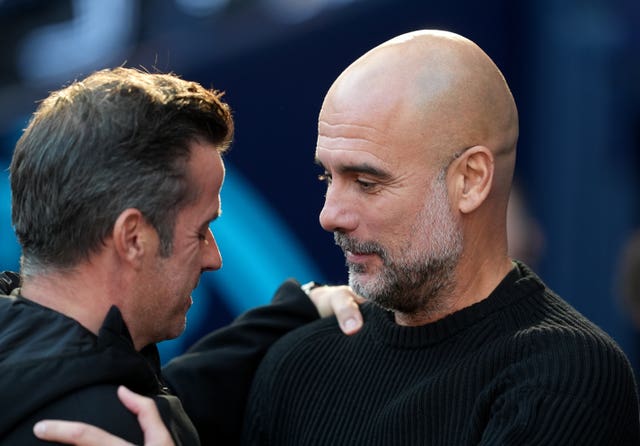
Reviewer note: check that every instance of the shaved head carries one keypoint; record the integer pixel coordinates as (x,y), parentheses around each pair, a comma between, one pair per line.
(417,138)
(441,88)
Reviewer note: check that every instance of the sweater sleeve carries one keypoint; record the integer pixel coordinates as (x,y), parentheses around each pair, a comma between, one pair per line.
(213,377)
(259,411)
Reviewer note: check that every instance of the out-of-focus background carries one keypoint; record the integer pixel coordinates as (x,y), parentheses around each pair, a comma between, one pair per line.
(573,66)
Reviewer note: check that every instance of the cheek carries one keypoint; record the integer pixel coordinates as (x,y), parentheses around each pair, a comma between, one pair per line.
(186,266)
(186,253)
(397,219)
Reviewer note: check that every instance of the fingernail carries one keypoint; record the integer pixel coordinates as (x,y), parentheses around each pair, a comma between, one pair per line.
(39,428)
(351,324)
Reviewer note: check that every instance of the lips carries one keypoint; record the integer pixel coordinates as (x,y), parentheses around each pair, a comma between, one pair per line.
(356,251)
(357,257)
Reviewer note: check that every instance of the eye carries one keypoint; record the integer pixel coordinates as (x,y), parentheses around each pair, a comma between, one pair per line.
(365,185)
(325,178)
(202,233)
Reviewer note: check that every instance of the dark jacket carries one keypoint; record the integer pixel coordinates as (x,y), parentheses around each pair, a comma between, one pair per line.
(214,377)
(52,367)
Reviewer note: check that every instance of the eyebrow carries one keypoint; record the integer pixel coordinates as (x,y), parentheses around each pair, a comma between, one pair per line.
(365,168)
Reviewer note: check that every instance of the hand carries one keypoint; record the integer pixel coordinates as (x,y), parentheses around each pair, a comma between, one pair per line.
(82,434)
(338,300)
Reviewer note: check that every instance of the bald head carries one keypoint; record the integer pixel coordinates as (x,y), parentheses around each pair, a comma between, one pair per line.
(417,139)
(436,88)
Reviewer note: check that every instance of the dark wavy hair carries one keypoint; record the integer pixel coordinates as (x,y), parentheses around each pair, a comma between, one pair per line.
(117,139)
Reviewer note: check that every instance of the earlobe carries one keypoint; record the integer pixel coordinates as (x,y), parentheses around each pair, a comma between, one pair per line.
(476,167)
(129,233)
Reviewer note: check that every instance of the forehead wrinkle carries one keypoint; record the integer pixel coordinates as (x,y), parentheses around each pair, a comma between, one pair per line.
(328,127)
(351,132)
(347,143)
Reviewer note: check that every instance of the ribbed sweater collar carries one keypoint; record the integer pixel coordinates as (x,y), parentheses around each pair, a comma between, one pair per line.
(517,284)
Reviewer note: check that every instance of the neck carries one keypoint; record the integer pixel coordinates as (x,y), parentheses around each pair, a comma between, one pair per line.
(472,283)
(79,294)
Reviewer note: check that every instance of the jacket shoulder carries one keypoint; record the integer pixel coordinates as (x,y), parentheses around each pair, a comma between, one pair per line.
(98,405)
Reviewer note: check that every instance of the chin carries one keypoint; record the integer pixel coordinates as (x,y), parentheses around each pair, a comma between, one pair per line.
(362,286)
(177,331)
(364,277)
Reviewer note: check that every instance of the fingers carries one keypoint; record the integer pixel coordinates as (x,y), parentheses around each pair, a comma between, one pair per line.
(82,434)
(155,432)
(76,433)
(341,301)
(347,311)
(136,403)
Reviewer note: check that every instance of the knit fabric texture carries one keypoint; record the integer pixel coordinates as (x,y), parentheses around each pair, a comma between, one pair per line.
(521,367)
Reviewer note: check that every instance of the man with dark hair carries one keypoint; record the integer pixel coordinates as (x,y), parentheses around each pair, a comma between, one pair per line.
(114,184)
(462,345)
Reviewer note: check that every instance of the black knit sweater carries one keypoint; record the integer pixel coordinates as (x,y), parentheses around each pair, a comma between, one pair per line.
(519,368)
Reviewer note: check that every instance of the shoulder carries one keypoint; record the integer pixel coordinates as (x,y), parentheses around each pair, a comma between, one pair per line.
(317,343)
(31,332)
(559,351)
(98,405)
(537,317)
(308,336)
(542,325)
(304,346)
(557,326)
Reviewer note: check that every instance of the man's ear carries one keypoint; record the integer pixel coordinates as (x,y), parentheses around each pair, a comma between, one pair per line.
(473,178)
(130,236)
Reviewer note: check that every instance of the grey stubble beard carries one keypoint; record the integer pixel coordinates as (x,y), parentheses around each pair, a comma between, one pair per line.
(418,281)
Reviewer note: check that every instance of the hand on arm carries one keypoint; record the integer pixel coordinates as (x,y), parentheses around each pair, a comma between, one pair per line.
(338,300)
(82,434)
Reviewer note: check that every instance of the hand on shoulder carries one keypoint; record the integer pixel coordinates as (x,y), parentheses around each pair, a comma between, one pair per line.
(82,434)
(339,300)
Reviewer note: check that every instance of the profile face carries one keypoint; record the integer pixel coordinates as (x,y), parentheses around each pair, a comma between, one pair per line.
(386,201)
(171,280)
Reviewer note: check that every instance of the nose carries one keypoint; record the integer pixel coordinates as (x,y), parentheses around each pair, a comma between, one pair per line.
(337,214)
(211,257)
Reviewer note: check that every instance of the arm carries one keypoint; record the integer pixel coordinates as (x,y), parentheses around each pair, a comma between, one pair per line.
(213,378)
(82,434)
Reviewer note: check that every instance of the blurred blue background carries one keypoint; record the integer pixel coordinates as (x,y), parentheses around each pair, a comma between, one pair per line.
(573,66)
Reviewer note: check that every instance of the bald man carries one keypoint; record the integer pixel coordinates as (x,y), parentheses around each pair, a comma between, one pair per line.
(461,345)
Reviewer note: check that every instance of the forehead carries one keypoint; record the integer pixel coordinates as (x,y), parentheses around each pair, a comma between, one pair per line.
(359,135)
(343,144)
(206,175)
(205,164)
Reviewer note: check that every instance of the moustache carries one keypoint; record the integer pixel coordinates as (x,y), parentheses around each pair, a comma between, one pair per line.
(347,243)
